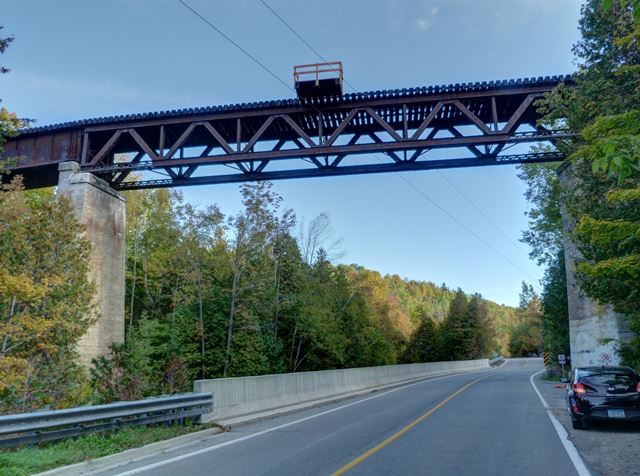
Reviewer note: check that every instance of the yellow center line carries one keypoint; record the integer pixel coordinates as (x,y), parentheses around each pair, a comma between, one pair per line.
(401,432)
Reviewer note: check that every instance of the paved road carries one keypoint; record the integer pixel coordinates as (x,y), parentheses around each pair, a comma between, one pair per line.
(481,423)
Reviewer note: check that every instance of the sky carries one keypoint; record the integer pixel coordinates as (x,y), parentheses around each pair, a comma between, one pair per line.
(74,59)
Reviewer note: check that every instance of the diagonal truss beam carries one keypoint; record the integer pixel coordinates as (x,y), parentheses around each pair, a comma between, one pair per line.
(347,149)
(350,170)
(324,138)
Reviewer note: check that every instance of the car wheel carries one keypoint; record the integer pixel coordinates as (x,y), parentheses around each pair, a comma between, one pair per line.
(577,424)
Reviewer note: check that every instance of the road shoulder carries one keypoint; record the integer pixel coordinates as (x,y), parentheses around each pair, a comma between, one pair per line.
(131,455)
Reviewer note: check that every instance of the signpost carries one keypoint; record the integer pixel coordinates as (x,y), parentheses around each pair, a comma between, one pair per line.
(562,360)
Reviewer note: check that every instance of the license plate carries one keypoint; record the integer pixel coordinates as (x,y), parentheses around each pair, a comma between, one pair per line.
(615,413)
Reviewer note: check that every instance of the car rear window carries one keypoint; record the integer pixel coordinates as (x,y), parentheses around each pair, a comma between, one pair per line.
(610,377)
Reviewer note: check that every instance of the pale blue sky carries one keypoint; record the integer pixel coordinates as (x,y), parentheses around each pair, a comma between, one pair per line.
(75,59)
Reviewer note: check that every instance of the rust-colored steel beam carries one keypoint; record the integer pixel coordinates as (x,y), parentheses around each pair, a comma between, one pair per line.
(409,129)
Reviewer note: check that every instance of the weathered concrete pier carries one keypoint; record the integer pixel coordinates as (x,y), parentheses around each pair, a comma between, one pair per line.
(596,331)
(102,211)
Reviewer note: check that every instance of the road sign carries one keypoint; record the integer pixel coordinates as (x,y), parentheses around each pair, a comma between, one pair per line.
(562,360)
(547,360)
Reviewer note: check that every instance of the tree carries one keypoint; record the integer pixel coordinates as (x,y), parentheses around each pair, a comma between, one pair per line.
(253,229)
(44,299)
(526,335)
(458,336)
(602,108)
(10,124)
(423,346)
(145,364)
(201,229)
(483,326)
(611,243)
(4,44)
(544,235)
(291,311)
(555,312)
(44,291)
(317,336)
(317,235)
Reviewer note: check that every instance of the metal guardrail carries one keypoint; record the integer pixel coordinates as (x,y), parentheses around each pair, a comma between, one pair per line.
(496,361)
(38,427)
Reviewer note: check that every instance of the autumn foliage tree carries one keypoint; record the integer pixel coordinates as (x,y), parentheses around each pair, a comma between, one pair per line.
(44,300)
(526,336)
(44,291)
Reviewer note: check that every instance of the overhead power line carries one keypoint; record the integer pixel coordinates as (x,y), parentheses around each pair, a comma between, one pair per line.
(469,230)
(423,194)
(293,30)
(234,43)
(230,40)
(479,210)
(274,75)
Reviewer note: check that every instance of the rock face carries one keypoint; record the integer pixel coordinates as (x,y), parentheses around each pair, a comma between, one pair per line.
(595,330)
(102,211)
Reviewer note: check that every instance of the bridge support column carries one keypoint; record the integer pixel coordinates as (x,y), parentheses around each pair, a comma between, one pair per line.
(102,211)
(595,330)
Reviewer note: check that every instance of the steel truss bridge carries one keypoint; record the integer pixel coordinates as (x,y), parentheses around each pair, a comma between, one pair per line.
(461,125)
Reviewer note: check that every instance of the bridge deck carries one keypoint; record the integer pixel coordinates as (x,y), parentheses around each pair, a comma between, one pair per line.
(298,138)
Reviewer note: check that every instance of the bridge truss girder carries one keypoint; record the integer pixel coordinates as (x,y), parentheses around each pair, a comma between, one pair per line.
(376,132)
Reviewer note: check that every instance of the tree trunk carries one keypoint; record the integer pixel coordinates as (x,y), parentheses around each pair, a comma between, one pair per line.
(146,286)
(5,341)
(232,310)
(201,322)
(293,344)
(173,311)
(297,362)
(133,278)
(277,301)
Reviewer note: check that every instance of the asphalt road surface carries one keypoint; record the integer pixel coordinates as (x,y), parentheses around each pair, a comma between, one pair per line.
(488,422)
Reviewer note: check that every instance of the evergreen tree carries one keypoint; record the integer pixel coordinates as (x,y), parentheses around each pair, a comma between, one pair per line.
(555,312)
(483,327)
(424,343)
(526,336)
(459,330)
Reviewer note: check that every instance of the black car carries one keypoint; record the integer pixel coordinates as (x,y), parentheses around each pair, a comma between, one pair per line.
(603,393)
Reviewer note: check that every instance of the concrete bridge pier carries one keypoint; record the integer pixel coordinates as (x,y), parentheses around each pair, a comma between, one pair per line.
(102,211)
(596,331)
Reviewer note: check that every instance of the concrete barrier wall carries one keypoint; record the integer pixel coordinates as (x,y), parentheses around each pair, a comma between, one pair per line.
(241,396)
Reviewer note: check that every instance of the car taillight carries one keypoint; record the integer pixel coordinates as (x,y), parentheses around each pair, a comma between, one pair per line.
(579,388)
(638,387)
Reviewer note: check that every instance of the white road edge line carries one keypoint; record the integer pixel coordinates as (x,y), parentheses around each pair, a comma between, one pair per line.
(158,464)
(571,450)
